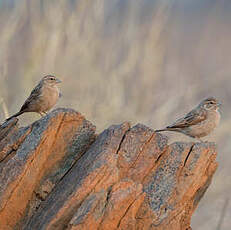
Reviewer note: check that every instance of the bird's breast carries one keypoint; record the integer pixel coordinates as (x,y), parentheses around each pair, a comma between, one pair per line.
(207,126)
(50,97)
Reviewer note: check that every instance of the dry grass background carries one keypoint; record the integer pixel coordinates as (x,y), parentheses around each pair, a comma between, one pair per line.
(146,61)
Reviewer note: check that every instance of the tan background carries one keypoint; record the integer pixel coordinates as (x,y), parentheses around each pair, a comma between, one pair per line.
(146,61)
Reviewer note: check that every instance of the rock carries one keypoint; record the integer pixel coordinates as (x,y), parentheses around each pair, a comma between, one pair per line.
(43,153)
(61,177)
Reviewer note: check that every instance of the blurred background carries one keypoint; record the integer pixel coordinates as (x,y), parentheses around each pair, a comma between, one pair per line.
(144,61)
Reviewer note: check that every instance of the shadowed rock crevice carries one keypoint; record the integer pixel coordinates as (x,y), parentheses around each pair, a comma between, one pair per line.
(185,161)
(125,178)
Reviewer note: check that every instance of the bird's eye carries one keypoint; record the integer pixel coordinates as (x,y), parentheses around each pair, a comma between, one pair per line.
(52,78)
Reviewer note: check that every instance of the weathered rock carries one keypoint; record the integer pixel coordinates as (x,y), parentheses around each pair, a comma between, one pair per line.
(128,178)
(45,151)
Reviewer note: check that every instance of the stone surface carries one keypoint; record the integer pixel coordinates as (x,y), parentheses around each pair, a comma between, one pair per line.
(129,178)
(44,152)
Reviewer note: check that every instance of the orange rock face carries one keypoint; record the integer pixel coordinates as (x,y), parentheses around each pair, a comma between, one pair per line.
(55,174)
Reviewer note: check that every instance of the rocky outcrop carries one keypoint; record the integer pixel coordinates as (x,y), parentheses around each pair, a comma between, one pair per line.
(57,174)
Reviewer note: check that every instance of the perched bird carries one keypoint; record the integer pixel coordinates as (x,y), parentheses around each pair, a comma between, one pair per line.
(199,122)
(42,98)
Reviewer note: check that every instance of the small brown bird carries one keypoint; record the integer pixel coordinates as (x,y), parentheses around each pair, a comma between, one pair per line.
(199,122)
(42,98)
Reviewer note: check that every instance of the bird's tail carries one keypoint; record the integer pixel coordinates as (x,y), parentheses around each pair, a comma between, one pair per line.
(161,130)
(166,129)
(15,115)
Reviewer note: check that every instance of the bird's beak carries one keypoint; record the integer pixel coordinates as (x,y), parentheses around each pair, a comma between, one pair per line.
(219,106)
(58,81)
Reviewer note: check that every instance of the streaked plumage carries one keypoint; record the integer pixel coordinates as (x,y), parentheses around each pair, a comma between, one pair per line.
(199,122)
(42,98)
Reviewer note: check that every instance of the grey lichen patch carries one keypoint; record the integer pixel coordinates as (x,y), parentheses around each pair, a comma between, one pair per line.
(93,204)
(197,149)
(161,141)
(134,142)
(163,181)
(33,139)
(81,141)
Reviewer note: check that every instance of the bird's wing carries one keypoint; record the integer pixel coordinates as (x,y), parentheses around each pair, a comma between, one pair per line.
(192,118)
(34,96)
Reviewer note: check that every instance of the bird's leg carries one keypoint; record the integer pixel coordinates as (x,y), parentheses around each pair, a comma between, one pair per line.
(42,113)
(198,139)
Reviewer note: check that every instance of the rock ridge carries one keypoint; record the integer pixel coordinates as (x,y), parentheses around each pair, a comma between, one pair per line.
(58,174)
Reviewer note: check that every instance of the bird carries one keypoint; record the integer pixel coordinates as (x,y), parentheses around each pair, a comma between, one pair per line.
(200,121)
(42,98)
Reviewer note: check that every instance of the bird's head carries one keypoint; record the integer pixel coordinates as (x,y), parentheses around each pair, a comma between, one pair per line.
(51,80)
(210,103)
